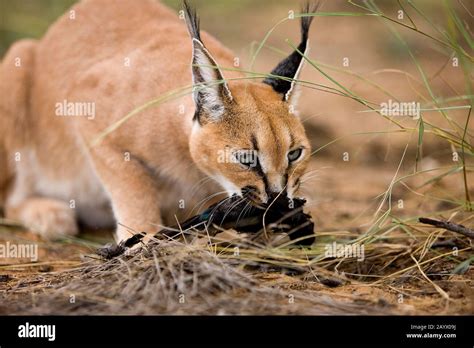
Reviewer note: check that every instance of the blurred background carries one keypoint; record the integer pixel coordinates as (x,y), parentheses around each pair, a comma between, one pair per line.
(376,59)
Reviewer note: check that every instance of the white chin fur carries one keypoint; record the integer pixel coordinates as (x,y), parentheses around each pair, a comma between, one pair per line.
(227,185)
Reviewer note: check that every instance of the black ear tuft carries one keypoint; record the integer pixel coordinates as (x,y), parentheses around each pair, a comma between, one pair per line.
(306,21)
(192,20)
(210,90)
(290,66)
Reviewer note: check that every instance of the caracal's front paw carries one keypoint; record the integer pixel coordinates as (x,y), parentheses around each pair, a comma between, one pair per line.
(49,218)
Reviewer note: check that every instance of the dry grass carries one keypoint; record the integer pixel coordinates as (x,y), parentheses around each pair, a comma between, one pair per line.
(171,279)
(215,276)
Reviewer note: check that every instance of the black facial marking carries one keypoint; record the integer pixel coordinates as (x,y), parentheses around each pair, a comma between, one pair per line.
(274,134)
(292,141)
(253,139)
(259,171)
(258,168)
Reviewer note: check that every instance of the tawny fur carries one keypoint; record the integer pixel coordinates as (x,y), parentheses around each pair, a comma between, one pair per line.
(50,174)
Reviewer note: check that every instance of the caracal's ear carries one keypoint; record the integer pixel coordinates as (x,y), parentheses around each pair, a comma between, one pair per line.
(290,67)
(211,93)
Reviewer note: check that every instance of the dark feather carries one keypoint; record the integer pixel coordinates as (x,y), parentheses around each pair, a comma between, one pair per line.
(231,214)
(234,213)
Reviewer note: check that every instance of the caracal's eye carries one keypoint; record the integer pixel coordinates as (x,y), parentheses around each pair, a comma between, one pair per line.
(293,155)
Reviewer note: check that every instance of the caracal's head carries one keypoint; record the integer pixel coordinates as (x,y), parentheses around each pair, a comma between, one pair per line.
(247,135)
